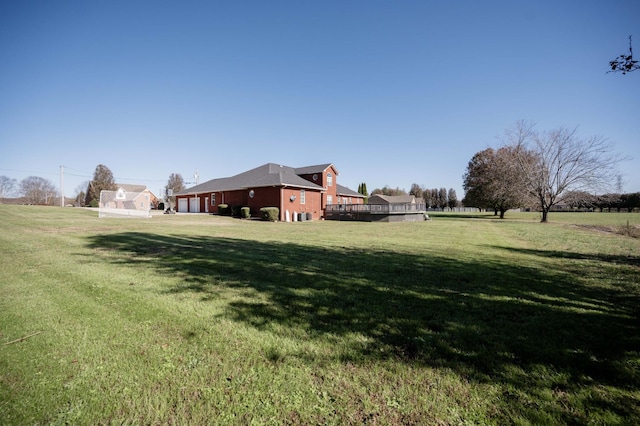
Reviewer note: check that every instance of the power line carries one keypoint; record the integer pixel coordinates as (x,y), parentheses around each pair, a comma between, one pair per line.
(139,180)
(30,172)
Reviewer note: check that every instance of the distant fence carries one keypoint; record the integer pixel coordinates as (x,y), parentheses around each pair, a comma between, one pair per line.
(395,212)
(455,209)
(393,208)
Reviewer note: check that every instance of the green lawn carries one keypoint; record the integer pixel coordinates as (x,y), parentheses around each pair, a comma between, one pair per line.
(198,319)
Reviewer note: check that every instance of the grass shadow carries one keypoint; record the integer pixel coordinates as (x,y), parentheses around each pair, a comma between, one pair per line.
(556,254)
(532,329)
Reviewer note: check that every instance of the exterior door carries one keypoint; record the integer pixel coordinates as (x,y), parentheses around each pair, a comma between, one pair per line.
(183,205)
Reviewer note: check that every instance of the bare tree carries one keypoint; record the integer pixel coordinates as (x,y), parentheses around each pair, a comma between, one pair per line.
(7,185)
(452,198)
(434,199)
(416,190)
(37,190)
(442,198)
(557,162)
(81,195)
(174,184)
(426,196)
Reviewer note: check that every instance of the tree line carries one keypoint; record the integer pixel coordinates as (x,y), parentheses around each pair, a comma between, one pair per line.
(584,201)
(540,170)
(433,198)
(33,189)
(40,191)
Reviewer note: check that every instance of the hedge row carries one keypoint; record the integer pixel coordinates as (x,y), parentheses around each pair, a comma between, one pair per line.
(266,213)
(270,213)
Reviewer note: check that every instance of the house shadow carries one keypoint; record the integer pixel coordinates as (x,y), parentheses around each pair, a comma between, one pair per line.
(487,320)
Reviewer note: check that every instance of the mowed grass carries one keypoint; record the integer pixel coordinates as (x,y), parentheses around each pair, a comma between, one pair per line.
(198,319)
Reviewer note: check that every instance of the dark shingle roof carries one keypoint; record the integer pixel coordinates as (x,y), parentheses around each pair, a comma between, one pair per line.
(269,174)
(346,192)
(391,199)
(314,169)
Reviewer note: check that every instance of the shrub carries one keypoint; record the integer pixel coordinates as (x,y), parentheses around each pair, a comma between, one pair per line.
(235,211)
(270,213)
(223,209)
(245,212)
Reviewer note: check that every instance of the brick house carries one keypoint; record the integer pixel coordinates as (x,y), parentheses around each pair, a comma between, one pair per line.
(303,190)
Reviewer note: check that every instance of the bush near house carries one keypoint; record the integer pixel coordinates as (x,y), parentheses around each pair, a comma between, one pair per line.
(224,210)
(245,212)
(270,213)
(235,211)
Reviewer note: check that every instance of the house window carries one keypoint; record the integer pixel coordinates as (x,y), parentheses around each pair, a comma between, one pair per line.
(329,179)
(213,200)
(302,196)
(329,199)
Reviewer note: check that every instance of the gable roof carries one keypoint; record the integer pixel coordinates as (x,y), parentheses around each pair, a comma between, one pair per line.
(391,199)
(127,187)
(269,174)
(347,192)
(320,168)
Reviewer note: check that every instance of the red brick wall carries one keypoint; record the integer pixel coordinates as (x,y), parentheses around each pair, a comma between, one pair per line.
(313,203)
(322,180)
(263,197)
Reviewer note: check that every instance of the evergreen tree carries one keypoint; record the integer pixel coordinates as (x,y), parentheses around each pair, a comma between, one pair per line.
(102,180)
(362,189)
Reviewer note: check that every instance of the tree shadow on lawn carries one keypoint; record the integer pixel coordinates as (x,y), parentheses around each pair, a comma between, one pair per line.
(534,329)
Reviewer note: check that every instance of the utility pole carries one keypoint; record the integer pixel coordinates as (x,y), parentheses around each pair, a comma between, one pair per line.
(61,186)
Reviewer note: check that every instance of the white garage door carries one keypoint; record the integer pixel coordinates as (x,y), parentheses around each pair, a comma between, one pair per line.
(183,205)
(195,205)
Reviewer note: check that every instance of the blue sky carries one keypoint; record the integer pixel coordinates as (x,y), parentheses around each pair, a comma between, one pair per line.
(391,92)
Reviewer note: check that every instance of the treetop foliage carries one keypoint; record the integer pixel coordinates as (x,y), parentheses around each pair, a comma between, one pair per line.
(362,189)
(435,198)
(493,180)
(175,183)
(386,190)
(540,166)
(102,180)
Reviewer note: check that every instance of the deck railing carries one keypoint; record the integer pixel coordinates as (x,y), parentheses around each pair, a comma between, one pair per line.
(376,208)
